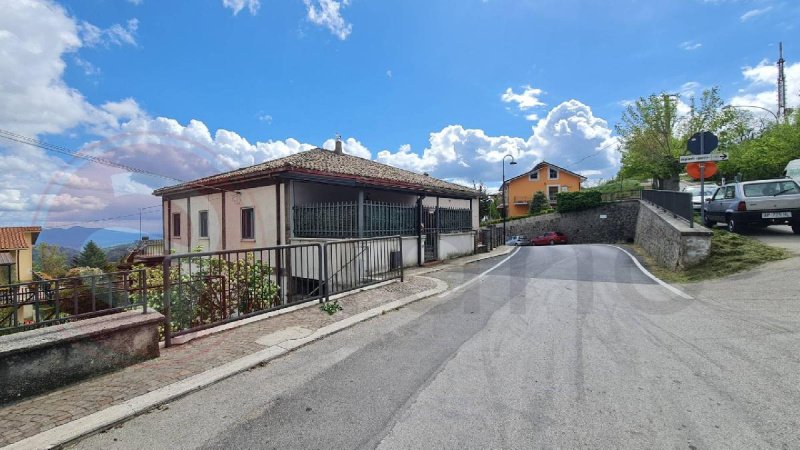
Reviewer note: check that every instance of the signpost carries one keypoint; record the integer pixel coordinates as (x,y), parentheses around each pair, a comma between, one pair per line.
(700,145)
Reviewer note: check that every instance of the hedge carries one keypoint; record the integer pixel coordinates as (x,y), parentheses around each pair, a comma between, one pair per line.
(577,201)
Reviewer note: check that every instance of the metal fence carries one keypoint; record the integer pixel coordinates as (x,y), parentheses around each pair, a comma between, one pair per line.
(35,304)
(356,263)
(202,290)
(326,220)
(678,203)
(621,195)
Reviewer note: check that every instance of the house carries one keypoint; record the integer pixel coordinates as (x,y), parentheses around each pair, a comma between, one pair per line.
(16,253)
(320,195)
(544,177)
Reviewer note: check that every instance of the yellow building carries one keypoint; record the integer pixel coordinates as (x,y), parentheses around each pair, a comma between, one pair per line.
(16,253)
(544,177)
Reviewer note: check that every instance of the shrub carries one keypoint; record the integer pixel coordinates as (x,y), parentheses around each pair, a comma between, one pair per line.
(577,201)
(539,203)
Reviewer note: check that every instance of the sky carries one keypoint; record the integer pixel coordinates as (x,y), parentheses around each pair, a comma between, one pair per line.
(185,89)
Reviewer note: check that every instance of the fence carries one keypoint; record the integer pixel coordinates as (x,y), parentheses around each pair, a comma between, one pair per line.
(343,219)
(35,304)
(202,290)
(678,203)
(621,195)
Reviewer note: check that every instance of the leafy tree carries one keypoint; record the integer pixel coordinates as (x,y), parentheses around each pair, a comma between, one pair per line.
(91,256)
(654,137)
(766,155)
(51,261)
(539,203)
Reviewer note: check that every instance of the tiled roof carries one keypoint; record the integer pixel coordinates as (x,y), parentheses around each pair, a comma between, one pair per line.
(13,238)
(327,163)
(545,163)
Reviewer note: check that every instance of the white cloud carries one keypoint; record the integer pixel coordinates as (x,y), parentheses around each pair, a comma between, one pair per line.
(116,34)
(265,118)
(690,45)
(525,100)
(761,88)
(754,13)
(350,146)
(237,5)
(327,13)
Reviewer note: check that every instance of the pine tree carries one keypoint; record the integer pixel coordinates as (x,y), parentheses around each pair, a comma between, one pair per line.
(91,256)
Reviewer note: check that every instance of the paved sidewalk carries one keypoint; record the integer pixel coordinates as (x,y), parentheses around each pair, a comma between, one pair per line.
(39,414)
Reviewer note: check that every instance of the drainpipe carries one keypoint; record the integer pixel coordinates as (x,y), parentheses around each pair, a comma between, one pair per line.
(419,230)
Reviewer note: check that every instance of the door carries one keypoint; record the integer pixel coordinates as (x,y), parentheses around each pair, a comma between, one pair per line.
(713,207)
(431,223)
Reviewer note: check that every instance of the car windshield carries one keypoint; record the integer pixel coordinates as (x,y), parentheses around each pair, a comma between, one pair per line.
(771,188)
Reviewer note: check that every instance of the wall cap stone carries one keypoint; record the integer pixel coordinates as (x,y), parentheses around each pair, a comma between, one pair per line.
(679,224)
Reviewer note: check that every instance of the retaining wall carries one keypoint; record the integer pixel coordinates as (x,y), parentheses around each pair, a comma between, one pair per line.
(38,361)
(609,224)
(670,241)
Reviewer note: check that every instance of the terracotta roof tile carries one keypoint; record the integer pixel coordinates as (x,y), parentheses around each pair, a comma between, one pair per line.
(13,238)
(327,163)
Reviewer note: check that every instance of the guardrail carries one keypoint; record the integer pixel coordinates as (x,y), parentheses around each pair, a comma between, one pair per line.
(678,203)
(35,304)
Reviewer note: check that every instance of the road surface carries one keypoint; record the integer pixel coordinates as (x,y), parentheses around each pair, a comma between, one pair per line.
(569,346)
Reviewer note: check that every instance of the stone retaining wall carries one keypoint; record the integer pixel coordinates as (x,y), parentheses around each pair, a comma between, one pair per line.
(609,224)
(38,361)
(670,241)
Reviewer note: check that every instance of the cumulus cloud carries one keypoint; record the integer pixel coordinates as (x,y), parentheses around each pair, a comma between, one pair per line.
(690,45)
(526,100)
(327,13)
(237,5)
(762,81)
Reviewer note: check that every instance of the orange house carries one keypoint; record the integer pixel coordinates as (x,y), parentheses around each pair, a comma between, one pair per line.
(544,177)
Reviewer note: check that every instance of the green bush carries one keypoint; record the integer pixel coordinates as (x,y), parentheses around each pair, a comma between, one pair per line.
(539,203)
(577,201)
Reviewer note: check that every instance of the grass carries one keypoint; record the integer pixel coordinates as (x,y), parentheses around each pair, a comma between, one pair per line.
(730,253)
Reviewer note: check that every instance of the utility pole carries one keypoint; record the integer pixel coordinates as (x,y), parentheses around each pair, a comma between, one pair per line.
(140,224)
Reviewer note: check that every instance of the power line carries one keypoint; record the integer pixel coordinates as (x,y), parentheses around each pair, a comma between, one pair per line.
(106,219)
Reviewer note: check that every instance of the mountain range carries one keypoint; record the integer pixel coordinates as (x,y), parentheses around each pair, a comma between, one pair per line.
(77,237)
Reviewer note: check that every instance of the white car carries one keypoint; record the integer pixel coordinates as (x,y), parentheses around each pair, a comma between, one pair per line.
(517,240)
(696,197)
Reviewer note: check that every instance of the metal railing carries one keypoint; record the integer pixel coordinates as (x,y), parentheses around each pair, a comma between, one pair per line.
(35,304)
(678,203)
(356,263)
(203,290)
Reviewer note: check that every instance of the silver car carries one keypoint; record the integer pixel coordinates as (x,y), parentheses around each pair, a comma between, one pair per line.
(755,203)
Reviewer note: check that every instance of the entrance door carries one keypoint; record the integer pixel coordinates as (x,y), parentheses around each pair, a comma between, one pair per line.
(552,193)
(431,234)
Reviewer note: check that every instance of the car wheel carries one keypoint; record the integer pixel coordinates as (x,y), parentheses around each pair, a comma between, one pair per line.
(708,222)
(552,242)
(734,226)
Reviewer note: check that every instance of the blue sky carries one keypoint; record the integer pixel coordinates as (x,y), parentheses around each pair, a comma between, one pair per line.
(187,88)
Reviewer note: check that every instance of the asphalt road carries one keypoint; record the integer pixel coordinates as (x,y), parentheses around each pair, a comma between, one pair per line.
(560,347)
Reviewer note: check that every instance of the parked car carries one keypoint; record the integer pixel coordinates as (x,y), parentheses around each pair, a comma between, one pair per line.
(550,238)
(755,203)
(697,198)
(793,170)
(517,240)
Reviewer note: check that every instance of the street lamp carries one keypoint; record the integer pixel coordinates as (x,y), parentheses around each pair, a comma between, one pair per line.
(752,106)
(504,187)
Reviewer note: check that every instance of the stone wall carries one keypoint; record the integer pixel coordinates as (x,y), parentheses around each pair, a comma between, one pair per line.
(38,361)
(610,223)
(670,241)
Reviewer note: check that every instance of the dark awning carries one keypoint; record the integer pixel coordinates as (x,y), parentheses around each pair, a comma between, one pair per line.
(6,259)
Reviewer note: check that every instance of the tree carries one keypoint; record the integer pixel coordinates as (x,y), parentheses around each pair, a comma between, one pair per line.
(766,155)
(654,137)
(539,203)
(91,256)
(52,260)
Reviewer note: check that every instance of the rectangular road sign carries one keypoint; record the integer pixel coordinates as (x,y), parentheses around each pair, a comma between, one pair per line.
(704,158)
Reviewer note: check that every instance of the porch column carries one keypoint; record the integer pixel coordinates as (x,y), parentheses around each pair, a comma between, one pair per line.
(361,214)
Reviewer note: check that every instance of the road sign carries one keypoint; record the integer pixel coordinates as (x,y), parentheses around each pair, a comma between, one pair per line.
(704,158)
(709,169)
(702,142)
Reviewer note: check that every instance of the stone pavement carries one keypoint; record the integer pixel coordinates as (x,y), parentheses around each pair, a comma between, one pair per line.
(35,415)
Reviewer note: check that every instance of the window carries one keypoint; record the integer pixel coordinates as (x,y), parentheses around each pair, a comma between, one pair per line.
(203,224)
(248,223)
(176,224)
(772,188)
(553,174)
(564,188)
(552,192)
(534,175)
(730,192)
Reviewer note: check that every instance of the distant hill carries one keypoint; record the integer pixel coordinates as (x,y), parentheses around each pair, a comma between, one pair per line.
(77,237)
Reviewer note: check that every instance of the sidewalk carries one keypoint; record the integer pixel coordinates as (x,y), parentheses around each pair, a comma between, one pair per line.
(179,368)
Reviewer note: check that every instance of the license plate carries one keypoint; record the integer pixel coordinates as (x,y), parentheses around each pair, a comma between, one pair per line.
(776,215)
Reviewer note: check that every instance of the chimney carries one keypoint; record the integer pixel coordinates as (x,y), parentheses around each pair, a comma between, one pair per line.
(338,149)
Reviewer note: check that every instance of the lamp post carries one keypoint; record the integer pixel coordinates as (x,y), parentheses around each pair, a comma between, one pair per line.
(504,188)
(753,106)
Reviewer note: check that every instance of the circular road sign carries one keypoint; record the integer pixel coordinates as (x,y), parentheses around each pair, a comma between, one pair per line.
(693,169)
(709,143)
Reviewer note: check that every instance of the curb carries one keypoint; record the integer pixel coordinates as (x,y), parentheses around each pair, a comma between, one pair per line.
(455,262)
(108,417)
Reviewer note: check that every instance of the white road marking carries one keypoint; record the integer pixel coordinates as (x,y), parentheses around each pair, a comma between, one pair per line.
(668,286)
(483,274)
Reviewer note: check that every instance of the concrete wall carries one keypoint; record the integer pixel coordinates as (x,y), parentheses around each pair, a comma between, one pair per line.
(670,241)
(37,361)
(453,245)
(584,227)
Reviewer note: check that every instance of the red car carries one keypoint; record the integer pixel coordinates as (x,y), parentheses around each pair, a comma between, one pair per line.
(550,238)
